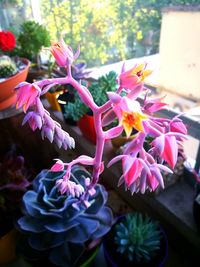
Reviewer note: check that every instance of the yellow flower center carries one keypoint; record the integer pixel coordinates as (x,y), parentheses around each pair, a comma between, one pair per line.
(132,120)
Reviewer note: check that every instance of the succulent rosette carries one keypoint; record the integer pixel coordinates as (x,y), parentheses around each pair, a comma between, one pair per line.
(54,223)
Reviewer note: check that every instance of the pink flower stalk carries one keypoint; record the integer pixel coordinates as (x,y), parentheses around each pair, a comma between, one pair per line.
(26,95)
(141,168)
(40,119)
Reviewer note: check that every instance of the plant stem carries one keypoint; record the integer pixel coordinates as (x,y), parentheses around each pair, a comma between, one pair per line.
(97,113)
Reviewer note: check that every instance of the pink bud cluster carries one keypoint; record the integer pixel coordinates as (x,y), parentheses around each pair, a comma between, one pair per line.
(39,118)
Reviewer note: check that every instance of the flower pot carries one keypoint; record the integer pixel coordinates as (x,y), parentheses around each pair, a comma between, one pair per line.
(35,73)
(7,94)
(7,247)
(89,261)
(115,259)
(196,207)
(86,125)
(52,98)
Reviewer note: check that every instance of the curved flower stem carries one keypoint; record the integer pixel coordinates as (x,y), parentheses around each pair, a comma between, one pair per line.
(63,80)
(99,148)
(107,105)
(97,113)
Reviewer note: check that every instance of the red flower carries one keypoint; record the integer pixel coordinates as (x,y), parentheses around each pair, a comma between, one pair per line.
(7,41)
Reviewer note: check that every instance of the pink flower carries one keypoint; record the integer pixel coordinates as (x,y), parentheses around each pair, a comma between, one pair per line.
(152,178)
(58,166)
(63,53)
(128,112)
(131,173)
(140,173)
(167,147)
(178,126)
(26,95)
(34,120)
(129,79)
(153,105)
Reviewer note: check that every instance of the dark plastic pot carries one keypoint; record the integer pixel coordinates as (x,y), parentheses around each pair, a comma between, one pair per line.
(196,207)
(86,125)
(91,258)
(189,176)
(115,259)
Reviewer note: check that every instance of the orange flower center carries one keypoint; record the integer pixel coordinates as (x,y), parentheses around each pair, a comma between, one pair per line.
(129,118)
(133,120)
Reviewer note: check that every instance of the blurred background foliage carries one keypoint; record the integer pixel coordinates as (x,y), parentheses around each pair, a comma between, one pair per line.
(108,31)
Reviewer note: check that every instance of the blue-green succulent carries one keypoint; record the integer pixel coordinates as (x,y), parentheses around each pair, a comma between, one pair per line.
(137,237)
(52,223)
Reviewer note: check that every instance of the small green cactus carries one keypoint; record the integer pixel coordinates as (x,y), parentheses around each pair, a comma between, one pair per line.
(7,68)
(138,237)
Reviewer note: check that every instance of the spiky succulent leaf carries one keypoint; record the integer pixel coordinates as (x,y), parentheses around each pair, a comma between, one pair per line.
(7,68)
(137,237)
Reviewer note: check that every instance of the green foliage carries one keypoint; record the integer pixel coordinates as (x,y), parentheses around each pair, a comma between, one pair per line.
(7,67)
(98,90)
(104,84)
(31,39)
(137,237)
(75,110)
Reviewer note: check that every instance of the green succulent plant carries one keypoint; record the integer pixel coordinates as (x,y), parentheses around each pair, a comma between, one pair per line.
(98,90)
(7,68)
(31,39)
(104,84)
(137,237)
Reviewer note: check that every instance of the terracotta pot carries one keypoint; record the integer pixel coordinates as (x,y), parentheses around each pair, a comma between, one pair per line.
(7,247)
(7,93)
(86,125)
